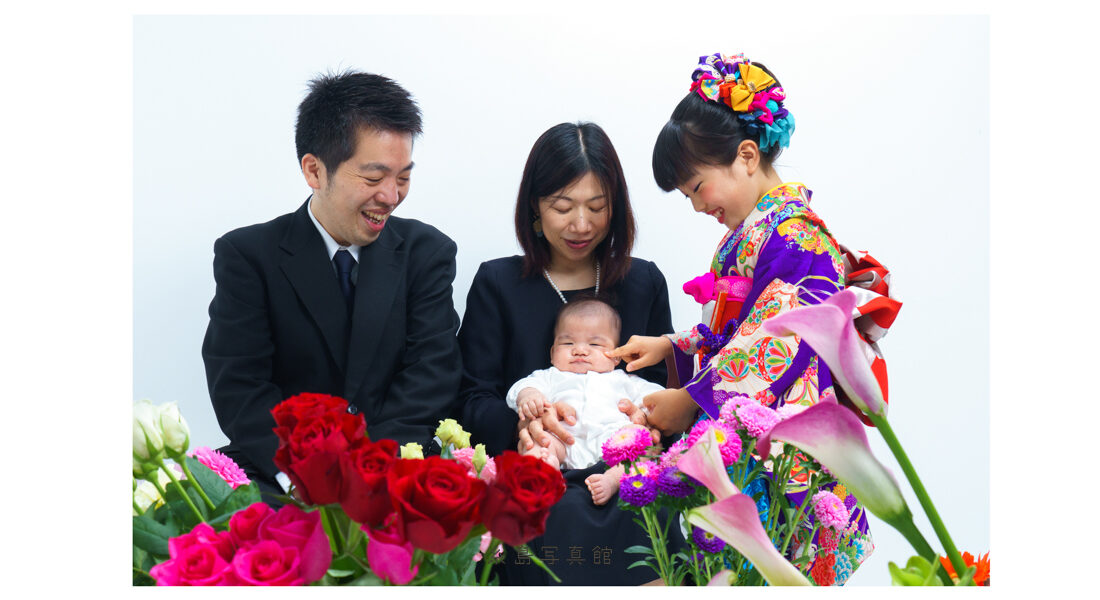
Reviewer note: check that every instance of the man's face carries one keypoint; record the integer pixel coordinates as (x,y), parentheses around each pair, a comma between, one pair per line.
(354,200)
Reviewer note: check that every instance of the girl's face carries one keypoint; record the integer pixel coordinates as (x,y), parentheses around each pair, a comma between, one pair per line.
(575,219)
(726,193)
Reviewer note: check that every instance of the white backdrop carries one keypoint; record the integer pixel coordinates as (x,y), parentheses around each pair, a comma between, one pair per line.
(892,136)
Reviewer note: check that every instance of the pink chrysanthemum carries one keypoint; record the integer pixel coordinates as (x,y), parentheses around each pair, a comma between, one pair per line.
(626,444)
(727,412)
(830,510)
(789,410)
(672,456)
(647,468)
(757,419)
(221,464)
(729,443)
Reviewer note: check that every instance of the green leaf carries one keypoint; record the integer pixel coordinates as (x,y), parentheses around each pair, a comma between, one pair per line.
(367,579)
(151,536)
(240,498)
(181,510)
(339,573)
(640,563)
(639,550)
(215,487)
(968,576)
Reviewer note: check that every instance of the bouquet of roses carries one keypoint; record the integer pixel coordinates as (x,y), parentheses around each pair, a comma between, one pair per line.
(364,512)
(771,494)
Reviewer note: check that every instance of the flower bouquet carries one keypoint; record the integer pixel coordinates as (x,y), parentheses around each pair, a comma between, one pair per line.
(358,512)
(770,495)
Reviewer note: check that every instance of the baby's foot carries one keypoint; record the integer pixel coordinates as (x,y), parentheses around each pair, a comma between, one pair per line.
(549,458)
(603,486)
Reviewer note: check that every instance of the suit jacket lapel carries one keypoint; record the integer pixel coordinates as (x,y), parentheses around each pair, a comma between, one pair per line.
(381,272)
(310,272)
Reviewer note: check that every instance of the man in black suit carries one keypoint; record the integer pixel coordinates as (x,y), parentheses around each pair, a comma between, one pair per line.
(338,297)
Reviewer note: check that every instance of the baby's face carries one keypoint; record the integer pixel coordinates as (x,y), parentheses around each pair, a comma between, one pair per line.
(580,344)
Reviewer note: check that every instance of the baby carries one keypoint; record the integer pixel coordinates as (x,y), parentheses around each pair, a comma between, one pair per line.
(583,377)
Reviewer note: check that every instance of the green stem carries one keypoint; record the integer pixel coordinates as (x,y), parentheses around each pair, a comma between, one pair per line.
(486,562)
(137,509)
(953,555)
(653,531)
(183,492)
(182,462)
(539,562)
(909,530)
(337,537)
(797,521)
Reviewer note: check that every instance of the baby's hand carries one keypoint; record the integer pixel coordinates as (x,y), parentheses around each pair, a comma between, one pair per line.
(531,403)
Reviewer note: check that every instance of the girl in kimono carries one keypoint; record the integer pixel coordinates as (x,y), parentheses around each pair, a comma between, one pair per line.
(718,150)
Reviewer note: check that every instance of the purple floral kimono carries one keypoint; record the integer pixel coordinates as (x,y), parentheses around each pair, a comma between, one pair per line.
(781,257)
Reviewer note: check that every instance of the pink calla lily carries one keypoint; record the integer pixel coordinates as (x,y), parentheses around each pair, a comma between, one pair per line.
(833,435)
(721,579)
(734,517)
(827,328)
(737,521)
(703,462)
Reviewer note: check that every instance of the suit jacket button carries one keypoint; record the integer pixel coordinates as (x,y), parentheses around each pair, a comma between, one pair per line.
(353,409)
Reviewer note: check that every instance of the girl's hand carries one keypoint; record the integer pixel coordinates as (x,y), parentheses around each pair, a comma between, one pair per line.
(531,403)
(642,351)
(669,411)
(539,430)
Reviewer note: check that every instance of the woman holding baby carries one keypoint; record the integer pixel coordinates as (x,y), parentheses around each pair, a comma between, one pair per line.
(576,228)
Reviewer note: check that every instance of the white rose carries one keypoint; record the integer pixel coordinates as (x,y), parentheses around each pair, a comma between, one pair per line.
(174,429)
(148,443)
(146,495)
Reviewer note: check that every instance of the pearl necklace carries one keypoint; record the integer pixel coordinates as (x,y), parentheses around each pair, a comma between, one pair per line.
(546,274)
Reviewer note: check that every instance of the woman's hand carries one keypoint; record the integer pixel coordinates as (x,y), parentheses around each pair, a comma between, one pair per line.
(641,351)
(669,411)
(540,429)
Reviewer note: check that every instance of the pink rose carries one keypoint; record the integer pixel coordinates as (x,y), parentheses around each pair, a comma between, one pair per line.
(244,525)
(390,558)
(268,563)
(295,528)
(200,557)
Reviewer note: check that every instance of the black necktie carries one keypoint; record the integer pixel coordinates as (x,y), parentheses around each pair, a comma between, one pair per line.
(344,263)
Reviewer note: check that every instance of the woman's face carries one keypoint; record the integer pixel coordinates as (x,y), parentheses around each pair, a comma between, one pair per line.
(575,219)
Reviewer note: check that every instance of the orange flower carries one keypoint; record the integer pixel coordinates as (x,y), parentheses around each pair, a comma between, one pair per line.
(981,575)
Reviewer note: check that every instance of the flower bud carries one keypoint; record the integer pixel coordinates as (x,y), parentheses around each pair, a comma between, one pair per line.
(146,495)
(450,432)
(412,450)
(174,430)
(148,443)
(480,458)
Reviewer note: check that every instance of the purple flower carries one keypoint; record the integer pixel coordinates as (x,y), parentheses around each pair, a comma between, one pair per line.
(830,510)
(757,419)
(707,541)
(626,444)
(637,490)
(670,483)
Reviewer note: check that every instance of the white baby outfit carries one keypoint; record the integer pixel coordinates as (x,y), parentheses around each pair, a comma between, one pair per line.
(595,396)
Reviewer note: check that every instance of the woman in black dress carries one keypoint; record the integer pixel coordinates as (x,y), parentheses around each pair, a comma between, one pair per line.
(576,228)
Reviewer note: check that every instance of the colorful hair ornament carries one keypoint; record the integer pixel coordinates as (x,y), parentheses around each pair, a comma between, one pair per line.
(749,91)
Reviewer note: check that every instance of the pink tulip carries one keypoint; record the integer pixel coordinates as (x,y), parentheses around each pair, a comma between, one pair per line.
(736,520)
(827,328)
(834,437)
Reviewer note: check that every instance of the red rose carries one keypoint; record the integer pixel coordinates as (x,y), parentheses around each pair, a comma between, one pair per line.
(268,563)
(199,557)
(314,431)
(291,527)
(435,501)
(519,499)
(304,406)
(365,497)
